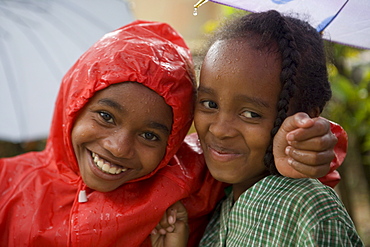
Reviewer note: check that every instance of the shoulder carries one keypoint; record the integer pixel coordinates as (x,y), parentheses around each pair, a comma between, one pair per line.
(293,188)
(18,165)
(299,209)
(306,197)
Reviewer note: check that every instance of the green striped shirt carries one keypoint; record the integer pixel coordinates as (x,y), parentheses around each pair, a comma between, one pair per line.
(280,211)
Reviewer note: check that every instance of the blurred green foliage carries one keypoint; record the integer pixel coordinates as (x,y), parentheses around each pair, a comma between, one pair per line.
(349,73)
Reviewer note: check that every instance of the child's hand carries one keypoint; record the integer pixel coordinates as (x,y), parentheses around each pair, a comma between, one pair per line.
(173,228)
(304,147)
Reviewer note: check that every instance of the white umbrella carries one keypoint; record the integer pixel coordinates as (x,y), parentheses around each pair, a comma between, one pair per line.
(39,42)
(342,21)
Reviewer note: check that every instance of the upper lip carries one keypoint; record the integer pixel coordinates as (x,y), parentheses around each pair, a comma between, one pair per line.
(222,149)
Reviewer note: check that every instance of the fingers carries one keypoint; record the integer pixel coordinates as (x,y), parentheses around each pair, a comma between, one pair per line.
(310,164)
(167,223)
(313,158)
(173,228)
(304,147)
(290,128)
(181,213)
(320,128)
(316,144)
(316,171)
(298,120)
(174,217)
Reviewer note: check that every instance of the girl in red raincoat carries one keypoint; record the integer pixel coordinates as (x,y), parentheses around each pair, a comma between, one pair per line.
(114,160)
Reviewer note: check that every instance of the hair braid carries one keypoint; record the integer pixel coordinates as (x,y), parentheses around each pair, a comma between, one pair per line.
(290,61)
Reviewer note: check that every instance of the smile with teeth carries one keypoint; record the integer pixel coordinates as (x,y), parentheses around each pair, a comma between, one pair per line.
(106,166)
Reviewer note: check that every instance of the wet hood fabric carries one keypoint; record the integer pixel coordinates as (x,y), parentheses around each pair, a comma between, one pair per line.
(39,203)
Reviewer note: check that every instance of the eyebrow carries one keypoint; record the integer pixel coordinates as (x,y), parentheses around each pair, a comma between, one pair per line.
(240,97)
(110,103)
(252,100)
(206,90)
(159,126)
(115,105)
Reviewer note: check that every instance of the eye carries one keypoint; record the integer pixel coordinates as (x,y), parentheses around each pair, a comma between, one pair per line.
(150,136)
(209,104)
(249,114)
(106,117)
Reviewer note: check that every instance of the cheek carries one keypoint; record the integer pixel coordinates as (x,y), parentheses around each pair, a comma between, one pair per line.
(200,123)
(83,132)
(259,139)
(151,161)
(79,133)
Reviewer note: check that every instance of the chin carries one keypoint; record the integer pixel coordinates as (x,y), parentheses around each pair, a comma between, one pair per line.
(222,178)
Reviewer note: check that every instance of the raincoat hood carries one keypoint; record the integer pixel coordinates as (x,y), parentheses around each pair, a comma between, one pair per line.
(149,53)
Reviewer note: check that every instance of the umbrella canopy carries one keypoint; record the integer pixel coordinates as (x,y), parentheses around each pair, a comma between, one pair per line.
(342,21)
(39,42)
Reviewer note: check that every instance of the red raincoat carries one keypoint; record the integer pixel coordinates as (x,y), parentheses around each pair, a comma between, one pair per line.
(39,191)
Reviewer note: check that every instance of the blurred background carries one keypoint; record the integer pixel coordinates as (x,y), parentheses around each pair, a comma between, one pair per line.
(349,70)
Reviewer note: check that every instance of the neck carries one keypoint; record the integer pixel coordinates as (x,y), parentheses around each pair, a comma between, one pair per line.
(240,188)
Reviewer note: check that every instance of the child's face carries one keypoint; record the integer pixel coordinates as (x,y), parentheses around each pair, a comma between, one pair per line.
(235,110)
(121,135)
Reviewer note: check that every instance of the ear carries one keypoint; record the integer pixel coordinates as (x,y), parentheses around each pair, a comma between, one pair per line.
(314,112)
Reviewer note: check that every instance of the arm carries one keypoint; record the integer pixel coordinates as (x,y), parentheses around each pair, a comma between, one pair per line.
(173,228)
(305,147)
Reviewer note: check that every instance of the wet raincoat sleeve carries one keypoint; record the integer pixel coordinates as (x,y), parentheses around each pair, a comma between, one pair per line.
(340,149)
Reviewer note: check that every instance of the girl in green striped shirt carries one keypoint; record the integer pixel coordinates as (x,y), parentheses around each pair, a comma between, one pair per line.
(260,69)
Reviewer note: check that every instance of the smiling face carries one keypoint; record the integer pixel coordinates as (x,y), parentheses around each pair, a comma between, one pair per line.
(235,111)
(121,135)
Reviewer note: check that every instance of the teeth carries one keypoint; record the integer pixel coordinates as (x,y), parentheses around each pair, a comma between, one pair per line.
(100,163)
(106,166)
(112,170)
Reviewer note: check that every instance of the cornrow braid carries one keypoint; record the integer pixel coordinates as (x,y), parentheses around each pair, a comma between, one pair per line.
(290,61)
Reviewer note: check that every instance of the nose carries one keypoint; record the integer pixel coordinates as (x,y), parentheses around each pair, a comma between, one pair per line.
(120,144)
(223,126)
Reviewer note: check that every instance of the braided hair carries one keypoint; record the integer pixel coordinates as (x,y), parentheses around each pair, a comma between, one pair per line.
(303,62)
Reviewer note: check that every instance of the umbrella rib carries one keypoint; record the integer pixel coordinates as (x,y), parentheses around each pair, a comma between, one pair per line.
(321,29)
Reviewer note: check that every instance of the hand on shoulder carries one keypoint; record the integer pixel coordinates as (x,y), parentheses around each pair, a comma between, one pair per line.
(304,147)
(173,228)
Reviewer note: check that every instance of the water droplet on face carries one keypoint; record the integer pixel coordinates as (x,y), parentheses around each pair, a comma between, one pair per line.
(195,12)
